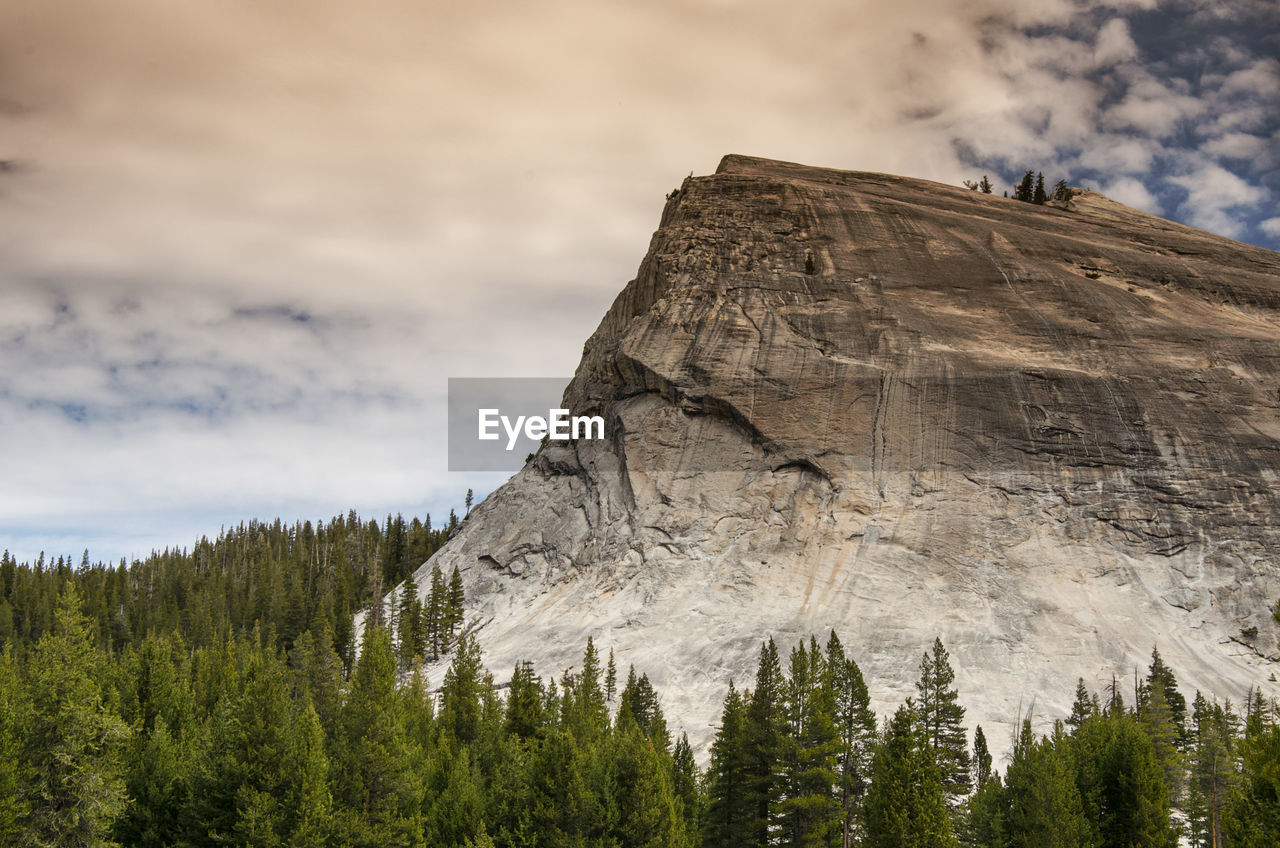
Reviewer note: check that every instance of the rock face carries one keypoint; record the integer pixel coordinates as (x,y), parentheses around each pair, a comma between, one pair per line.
(1048,434)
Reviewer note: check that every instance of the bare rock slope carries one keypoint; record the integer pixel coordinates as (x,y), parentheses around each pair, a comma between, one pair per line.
(1048,434)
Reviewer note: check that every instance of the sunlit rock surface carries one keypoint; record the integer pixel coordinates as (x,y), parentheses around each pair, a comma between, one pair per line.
(1048,434)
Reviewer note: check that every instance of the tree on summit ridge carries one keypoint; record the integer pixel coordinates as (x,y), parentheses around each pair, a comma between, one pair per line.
(1025,190)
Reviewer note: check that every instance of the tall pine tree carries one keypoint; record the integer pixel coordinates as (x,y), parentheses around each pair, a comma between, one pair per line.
(942,719)
(856,728)
(906,806)
(75,789)
(809,814)
(727,823)
(763,743)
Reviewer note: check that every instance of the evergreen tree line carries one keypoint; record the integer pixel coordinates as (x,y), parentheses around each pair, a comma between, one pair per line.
(242,742)
(1030,189)
(800,761)
(275,577)
(247,741)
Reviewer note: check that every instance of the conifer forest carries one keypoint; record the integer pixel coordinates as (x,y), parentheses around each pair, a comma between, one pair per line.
(223,695)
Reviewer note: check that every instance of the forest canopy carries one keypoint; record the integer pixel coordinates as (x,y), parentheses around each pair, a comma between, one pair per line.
(215,696)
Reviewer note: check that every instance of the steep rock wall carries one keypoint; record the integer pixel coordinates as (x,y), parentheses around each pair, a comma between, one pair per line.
(899,409)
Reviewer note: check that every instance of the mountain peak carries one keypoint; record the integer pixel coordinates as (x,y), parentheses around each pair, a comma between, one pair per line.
(897,409)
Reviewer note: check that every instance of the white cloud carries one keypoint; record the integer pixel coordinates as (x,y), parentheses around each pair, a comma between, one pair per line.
(1271,226)
(1116,153)
(1215,197)
(1237,146)
(1260,79)
(1114,43)
(1152,106)
(1132,192)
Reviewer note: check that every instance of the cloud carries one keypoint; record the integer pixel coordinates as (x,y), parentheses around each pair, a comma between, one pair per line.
(1116,153)
(1152,107)
(1215,197)
(1261,78)
(1237,145)
(245,243)
(1270,226)
(1114,44)
(1133,193)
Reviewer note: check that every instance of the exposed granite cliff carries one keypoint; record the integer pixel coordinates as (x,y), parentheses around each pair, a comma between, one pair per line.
(1049,434)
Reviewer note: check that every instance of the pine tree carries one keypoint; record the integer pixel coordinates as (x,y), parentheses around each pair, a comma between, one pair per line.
(856,727)
(562,809)
(1044,809)
(435,612)
(455,805)
(75,788)
(1160,677)
(378,788)
(13,766)
(410,624)
(942,719)
(1162,711)
(905,805)
(316,672)
(1157,719)
(684,783)
(1061,191)
(255,771)
(482,840)
(640,701)
(985,185)
(1084,707)
(642,799)
(419,716)
(1253,819)
(162,770)
(1213,779)
(1025,190)
(763,743)
(524,702)
(1038,195)
(610,679)
(984,820)
(395,547)
(1120,783)
(981,757)
(462,693)
(454,605)
(727,823)
(808,812)
(310,802)
(583,711)
(164,762)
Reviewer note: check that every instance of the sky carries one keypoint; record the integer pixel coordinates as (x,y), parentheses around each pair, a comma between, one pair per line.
(245,243)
